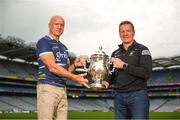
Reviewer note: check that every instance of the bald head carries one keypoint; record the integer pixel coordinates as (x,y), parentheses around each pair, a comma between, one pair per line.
(53,18)
(56,26)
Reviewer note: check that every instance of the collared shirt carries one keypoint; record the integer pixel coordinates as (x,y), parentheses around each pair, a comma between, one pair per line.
(47,45)
(139,69)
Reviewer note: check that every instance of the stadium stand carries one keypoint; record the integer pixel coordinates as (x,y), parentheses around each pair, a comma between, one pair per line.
(17,70)
(164,77)
(18,77)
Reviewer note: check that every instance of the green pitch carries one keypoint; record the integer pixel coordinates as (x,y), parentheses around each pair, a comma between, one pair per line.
(89,115)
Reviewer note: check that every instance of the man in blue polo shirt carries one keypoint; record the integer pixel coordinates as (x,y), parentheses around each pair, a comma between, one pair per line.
(54,70)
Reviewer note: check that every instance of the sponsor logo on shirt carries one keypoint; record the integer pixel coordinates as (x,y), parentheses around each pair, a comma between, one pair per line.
(55,48)
(145,52)
(60,56)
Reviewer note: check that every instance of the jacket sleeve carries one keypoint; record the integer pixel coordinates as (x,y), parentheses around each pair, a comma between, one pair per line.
(145,65)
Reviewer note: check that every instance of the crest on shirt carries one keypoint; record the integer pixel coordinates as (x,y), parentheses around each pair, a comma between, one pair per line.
(131,53)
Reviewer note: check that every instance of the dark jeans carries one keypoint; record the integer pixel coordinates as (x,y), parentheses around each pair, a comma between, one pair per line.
(133,105)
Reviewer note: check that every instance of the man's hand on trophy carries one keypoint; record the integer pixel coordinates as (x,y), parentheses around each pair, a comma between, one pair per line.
(118,63)
(79,62)
(81,80)
(106,84)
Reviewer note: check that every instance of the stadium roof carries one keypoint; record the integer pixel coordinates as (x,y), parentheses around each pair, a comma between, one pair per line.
(15,48)
(166,62)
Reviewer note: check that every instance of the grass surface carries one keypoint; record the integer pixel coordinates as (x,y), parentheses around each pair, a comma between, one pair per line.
(88,115)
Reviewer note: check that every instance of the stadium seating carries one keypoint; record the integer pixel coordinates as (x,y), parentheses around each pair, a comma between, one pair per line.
(28,72)
(17,103)
(18,70)
(164,105)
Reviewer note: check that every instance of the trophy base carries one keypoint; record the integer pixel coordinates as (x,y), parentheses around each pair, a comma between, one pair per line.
(97,86)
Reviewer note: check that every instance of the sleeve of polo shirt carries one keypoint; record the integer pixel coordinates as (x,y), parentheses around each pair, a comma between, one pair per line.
(43,48)
(145,65)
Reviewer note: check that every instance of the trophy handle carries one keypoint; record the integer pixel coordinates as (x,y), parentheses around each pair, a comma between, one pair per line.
(111,68)
(85,68)
(87,64)
(111,71)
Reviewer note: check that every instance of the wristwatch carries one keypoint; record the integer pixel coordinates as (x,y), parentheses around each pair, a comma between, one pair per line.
(125,65)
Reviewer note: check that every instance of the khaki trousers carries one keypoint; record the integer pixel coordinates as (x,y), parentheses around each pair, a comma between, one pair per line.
(51,102)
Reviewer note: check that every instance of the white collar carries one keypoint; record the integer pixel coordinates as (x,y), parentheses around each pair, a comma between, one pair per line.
(50,37)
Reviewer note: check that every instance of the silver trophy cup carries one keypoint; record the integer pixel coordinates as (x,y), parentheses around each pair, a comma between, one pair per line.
(98,69)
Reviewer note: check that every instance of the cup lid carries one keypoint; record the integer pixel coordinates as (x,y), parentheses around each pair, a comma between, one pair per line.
(100,52)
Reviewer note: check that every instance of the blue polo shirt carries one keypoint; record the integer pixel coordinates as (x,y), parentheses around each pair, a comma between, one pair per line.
(47,45)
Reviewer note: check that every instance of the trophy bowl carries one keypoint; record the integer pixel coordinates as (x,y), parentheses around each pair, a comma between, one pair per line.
(98,69)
